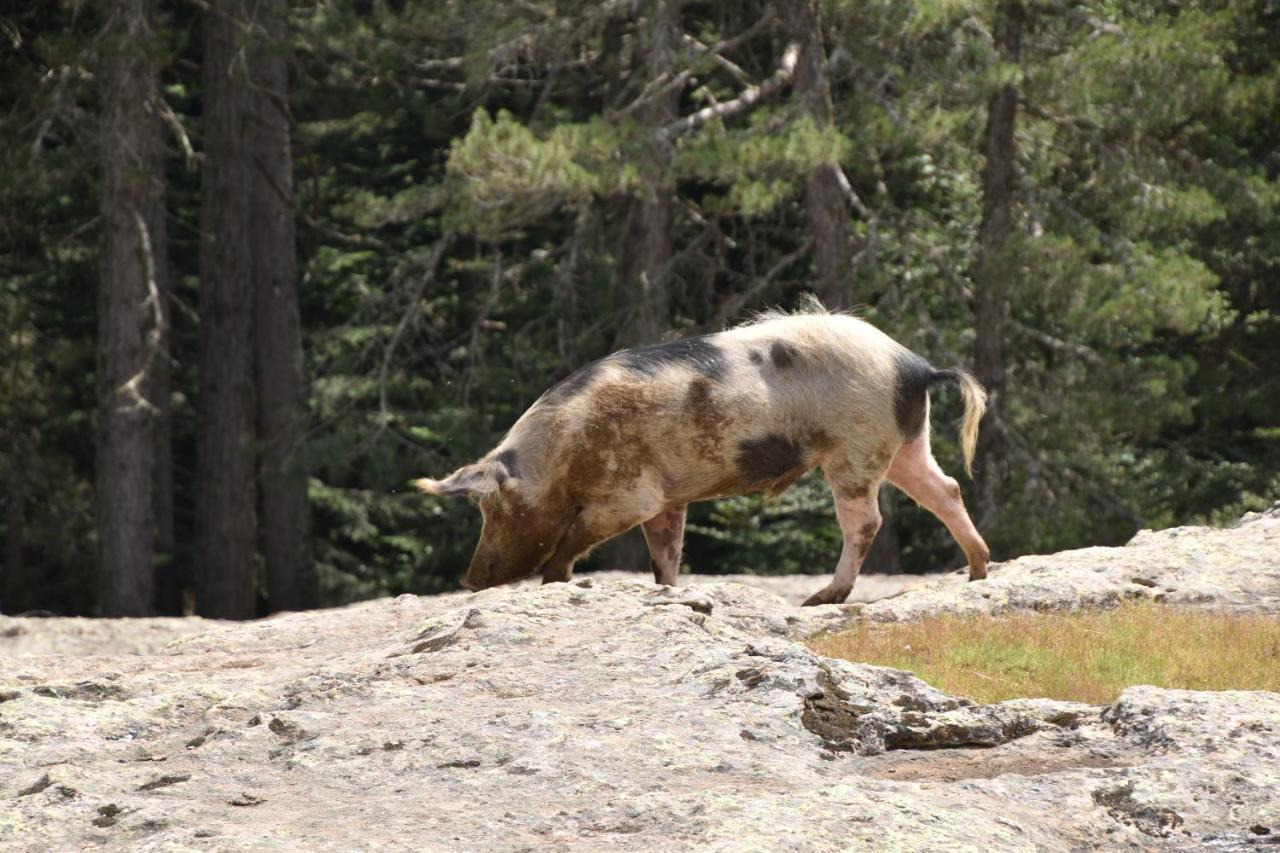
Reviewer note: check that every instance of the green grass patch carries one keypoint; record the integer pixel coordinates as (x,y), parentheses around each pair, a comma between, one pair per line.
(1086,656)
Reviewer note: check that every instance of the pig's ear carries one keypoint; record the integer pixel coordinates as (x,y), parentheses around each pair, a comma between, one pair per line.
(470,481)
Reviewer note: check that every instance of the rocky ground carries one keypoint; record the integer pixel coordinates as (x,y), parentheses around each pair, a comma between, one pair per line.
(793,589)
(615,715)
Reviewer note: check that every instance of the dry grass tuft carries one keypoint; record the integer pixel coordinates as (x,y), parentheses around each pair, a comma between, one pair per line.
(1087,656)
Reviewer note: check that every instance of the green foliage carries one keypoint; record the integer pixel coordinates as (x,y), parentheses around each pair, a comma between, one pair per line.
(510,176)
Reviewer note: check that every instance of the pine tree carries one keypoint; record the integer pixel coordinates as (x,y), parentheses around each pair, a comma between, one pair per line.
(129,321)
(226,532)
(993,268)
(277,331)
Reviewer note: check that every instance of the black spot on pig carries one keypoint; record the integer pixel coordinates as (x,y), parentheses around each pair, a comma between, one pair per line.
(697,353)
(768,458)
(574,384)
(755,356)
(783,354)
(911,392)
(506,466)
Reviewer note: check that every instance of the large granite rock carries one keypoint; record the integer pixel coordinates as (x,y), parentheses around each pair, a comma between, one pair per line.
(1235,569)
(610,715)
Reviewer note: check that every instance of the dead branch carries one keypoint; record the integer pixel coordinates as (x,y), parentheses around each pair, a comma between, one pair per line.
(132,389)
(428,276)
(716,52)
(171,119)
(849,193)
(734,304)
(750,96)
(1058,345)
(664,83)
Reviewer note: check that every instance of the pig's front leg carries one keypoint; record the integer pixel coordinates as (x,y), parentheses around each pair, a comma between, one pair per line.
(583,533)
(664,534)
(859,520)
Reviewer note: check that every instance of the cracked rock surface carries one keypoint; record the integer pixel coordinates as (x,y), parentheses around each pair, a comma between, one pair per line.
(604,715)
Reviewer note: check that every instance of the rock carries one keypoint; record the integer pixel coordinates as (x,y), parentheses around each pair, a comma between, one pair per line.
(792,588)
(600,714)
(22,636)
(1235,569)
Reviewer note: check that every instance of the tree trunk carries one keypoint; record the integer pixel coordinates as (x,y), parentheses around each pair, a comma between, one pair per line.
(13,586)
(828,214)
(649,243)
(169,575)
(282,415)
(648,249)
(130,185)
(652,283)
(824,199)
(993,270)
(225,522)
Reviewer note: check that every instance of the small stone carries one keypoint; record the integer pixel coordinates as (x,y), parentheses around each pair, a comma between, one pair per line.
(165,781)
(107,815)
(36,787)
(246,801)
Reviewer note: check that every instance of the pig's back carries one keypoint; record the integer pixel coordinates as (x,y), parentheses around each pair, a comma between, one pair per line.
(750,408)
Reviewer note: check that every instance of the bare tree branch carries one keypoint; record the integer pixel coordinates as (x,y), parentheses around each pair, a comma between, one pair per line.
(665,83)
(734,304)
(132,388)
(179,132)
(749,98)
(849,193)
(1058,345)
(428,276)
(716,52)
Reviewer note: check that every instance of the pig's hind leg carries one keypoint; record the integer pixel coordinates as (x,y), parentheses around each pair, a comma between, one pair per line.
(664,534)
(858,512)
(916,472)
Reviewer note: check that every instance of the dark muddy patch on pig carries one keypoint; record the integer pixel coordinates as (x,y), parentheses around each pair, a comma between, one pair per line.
(911,390)
(609,451)
(706,416)
(755,357)
(769,458)
(696,353)
(819,441)
(783,355)
(853,492)
(866,535)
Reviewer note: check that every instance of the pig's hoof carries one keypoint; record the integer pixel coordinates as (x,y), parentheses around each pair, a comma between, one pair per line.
(826,596)
(978,574)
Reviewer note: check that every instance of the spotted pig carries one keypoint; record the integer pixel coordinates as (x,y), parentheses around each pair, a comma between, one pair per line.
(636,437)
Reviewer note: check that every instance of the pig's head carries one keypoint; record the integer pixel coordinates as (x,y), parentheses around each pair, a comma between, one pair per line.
(520,531)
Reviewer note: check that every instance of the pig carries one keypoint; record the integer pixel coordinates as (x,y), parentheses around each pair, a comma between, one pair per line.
(634,438)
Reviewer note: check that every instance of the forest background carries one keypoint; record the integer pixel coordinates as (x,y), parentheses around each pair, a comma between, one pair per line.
(263,262)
